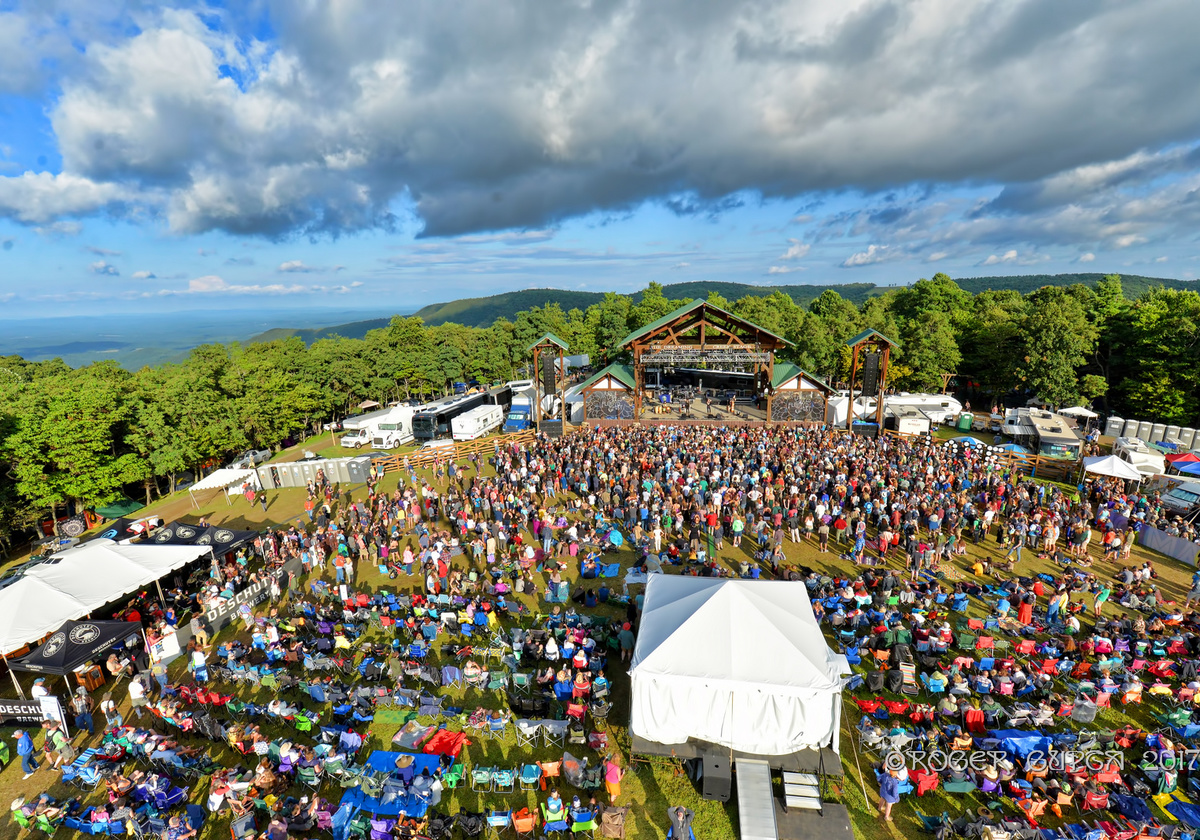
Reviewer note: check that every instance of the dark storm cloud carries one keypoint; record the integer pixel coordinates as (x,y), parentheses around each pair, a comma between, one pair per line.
(482,116)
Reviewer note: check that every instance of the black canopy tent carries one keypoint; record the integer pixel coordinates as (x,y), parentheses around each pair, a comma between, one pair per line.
(73,644)
(221,539)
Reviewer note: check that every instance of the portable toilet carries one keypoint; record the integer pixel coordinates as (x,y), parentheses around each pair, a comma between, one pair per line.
(1187,437)
(1130,430)
(1156,432)
(1145,427)
(965,420)
(1113,427)
(1171,434)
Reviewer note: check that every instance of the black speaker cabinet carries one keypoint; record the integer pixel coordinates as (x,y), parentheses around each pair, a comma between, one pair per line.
(717,781)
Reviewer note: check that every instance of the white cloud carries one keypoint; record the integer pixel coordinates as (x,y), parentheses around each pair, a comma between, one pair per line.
(681,265)
(524,117)
(212,284)
(101,252)
(298,267)
(936,256)
(796,250)
(41,198)
(1009,256)
(59,229)
(143,275)
(784,269)
(1160,259)
(102,267)
(1087,258)
(873,254)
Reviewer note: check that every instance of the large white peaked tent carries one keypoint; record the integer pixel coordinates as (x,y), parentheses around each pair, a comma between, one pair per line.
(734,663)
(80,580)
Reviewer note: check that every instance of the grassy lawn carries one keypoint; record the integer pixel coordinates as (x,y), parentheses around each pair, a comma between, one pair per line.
(647,789)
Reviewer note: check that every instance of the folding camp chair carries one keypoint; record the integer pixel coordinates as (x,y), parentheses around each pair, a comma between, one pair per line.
(531,776)
(554,733)
(528,732)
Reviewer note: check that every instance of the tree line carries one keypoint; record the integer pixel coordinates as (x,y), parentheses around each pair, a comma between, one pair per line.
(85,436)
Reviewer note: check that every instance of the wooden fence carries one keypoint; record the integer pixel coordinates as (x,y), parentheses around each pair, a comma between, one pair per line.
(1036,466)
(428,457)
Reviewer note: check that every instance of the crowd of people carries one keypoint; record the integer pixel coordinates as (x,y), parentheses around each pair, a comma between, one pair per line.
(491,532)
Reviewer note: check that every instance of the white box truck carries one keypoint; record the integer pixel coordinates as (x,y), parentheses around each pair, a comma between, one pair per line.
(477,422)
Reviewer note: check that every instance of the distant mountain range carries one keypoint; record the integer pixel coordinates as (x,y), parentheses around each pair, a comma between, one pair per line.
(483,311)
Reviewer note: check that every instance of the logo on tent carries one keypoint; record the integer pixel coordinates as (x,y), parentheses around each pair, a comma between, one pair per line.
(84,634)
(205,540)
(109,534)
(185,533)
(164,535)
(54,644)
(223,536)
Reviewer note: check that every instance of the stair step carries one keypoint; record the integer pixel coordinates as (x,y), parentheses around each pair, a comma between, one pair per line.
(809,803)
(801,790)
(800,778)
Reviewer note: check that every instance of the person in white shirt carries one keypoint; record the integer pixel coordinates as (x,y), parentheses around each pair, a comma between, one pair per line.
(137,696)
(39,688)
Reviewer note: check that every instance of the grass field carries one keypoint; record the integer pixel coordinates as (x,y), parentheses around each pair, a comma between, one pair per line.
(648,789)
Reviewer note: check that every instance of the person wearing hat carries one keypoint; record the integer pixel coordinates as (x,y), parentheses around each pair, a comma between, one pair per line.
(39,688)
(889,793)
(626,638)
(25,750)
(82,705)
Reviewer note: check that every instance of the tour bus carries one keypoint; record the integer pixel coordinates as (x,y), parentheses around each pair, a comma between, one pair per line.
(432,420)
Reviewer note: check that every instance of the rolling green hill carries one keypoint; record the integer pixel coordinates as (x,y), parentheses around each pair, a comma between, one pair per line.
(355,329)
(481,312)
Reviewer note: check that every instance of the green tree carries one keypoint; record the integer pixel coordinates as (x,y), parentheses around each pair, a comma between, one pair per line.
(64,445)
(1056,339)
(650,308)
(612,325)
(991,340)
(1160,336)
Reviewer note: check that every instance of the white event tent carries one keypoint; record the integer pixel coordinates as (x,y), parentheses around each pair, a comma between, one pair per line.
(76,582)
(735,663)
(1112,466)
(223,479)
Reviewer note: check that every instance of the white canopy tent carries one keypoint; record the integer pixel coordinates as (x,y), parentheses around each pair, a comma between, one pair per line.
(223,479)
(1079,411)
(1112,466)
(76,582)
(735,663)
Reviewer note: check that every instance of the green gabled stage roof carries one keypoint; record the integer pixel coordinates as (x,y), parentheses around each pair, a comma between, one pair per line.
(687,308)
(784,371)
(869,333)
(621,373)
(550,337)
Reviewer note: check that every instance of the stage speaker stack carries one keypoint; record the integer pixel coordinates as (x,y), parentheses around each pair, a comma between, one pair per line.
(549,381)
(717,781)
(870,386)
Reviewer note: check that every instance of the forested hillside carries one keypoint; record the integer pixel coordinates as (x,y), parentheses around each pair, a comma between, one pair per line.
(88,435)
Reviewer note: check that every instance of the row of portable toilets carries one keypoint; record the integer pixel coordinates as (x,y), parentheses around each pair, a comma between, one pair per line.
(344,471)
(1183,437)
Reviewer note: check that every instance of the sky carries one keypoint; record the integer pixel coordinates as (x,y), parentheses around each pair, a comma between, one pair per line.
(302,154)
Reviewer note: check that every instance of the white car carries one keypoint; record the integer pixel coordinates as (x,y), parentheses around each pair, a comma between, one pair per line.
(250,458)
